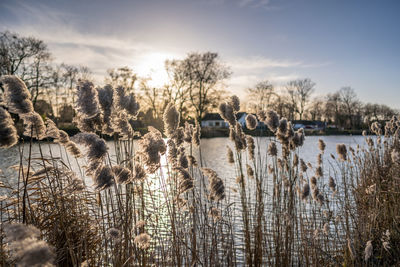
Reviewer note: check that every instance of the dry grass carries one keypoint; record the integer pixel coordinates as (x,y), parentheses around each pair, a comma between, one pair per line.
(165,208)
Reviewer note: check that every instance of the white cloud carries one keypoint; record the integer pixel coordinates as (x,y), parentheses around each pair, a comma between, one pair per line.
(259,62)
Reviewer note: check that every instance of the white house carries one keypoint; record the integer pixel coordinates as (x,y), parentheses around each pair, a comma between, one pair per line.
(214,120)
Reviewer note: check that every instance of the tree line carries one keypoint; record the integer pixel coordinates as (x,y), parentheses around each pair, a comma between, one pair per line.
(196,86)
(295,101)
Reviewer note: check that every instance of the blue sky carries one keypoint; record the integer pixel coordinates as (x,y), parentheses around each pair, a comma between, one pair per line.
(334,42)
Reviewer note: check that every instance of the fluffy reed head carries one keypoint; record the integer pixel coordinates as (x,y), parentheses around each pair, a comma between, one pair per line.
(250,146)
(235,103)
(126,102)
(87,102)
(96,147)
(105,95)
(227,113)
(341,150)
(27,249)
(122,175)
(250,171)
(142,241)
(121,125)
(305,192)
(139,174)
(272,149)
(216,185)
(171,120)
(376,128)
(8,132)
(16,95)
(19,232)
(182,159)
(114,234)
(73,149)
(332,184)
(251,121)
(321,145)
(33,125)
(319,172)
(103,178)
(185,180)
(51,129)
(272,120)
(151,147)
(261,115)
(196,134)
(231,159)
(188,133)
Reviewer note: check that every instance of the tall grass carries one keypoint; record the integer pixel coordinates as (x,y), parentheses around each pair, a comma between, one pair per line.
(152,201)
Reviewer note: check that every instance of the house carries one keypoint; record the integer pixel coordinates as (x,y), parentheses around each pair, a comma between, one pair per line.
(214,120)
(309,125)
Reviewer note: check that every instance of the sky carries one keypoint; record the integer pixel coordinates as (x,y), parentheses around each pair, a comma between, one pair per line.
(335,43)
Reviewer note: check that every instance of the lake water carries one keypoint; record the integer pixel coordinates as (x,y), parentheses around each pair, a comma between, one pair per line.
(213,151)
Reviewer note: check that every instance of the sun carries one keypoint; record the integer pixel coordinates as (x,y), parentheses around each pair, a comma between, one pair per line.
(151,65)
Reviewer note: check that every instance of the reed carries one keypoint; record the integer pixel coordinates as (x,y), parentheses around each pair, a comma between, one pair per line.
(80,201)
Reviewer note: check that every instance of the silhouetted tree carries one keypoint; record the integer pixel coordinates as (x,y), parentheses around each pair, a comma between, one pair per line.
(299,93)
(261,95)
(202,76)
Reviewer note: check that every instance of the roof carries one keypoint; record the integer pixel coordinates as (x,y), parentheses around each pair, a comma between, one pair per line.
(217,117)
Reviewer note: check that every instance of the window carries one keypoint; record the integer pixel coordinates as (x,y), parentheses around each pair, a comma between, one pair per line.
(217,123)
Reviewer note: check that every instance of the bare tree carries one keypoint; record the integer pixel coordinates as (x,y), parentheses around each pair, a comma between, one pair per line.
(152,98)
(28,58)
(123,76)
(350,104)
(16,52)
(316,109)
(299,93)
(332,107)
(177,90)
(202,76)
(261,95)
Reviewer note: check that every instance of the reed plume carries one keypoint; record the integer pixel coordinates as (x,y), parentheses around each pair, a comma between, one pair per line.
(96,147)
(33,125)
(216,185)
(250,146)
(171,120)
(196,134)
(185,182)
(51,129)
(8,132)
(321,145)
(151,147)
(87,103)
(341,150)
(105,96)
(251,122)
(27,249)
(126,102)
(122,175)
(142,241)
(16,95)
(230,157)
(272,120)
(103,177)
(234,102)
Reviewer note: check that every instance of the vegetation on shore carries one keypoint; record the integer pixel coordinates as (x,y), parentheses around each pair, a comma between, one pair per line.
(155,203)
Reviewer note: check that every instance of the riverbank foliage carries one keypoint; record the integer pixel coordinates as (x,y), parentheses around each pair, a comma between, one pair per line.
(154,202)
